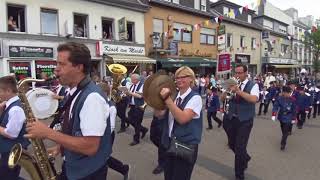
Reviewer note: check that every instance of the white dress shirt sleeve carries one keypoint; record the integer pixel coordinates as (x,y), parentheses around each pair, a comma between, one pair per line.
(94,115)
(255,90)
(15,121)
(140,91)
(113,115)
(195,103)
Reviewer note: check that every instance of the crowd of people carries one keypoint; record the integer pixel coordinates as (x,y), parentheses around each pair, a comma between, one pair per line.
(87,116)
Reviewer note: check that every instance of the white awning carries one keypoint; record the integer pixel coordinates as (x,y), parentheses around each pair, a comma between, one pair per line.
(285,66)
(131,59)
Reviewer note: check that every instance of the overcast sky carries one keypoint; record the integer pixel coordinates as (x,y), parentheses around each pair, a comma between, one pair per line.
(305,7)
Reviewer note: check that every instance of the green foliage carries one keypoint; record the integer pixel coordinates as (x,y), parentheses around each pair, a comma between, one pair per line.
(313,40)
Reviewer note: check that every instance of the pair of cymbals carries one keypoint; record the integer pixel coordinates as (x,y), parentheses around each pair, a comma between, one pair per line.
(152,87)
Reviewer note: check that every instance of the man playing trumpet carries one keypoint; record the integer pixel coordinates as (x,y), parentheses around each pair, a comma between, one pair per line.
(238,121)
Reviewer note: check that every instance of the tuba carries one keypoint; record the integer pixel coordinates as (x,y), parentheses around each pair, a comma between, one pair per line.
(38,166)
(117,71)
(229,95)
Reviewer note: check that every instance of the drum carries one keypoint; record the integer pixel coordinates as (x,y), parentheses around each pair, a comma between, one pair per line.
(42,104)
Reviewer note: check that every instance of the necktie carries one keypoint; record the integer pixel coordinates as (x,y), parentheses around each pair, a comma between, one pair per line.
(237,96)
(134,87)
(179,101)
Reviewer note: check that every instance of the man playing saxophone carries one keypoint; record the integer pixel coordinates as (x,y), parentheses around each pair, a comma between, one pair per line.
(12,126)
(85,139)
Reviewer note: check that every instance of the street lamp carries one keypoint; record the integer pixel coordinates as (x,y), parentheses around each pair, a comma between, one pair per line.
(156,41)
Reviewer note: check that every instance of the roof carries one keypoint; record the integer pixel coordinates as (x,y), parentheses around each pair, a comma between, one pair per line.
(219,2)
(253,25)
(265,16)
(300,24)
(135,5)
(181,7)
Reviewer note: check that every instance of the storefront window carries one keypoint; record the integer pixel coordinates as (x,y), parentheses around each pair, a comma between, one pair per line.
(20,69)
(45,67)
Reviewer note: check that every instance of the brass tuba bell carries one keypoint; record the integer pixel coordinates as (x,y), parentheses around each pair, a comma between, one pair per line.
(117,71)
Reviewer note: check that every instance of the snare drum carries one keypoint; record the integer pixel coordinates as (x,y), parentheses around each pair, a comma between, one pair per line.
(42,104)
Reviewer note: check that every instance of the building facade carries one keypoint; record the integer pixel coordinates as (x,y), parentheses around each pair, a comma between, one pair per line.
(242,37)
(181,33)
(31,30)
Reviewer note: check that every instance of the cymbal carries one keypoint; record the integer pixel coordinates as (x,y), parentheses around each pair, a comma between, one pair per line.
(152,88)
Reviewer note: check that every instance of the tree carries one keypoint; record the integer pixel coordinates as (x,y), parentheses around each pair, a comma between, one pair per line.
(312,41)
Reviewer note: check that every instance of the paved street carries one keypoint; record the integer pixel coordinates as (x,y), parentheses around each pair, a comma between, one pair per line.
(300,161)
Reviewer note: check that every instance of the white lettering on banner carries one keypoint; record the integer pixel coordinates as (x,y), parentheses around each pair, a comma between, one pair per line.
(46,66)
(120,49)
(19,68)
(282,61)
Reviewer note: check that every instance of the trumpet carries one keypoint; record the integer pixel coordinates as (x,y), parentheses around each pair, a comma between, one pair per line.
(229,95)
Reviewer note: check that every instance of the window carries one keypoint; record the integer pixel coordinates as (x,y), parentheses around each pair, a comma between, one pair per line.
(242,40)
(182,32)
(203,5)
(268,24)
(249,19)
(175,1)
(49,21)
(16,18)
(207,36)
(300,54)
(226,11)
(229,40)
(158,28)
(107,29)
(80,25)
(131,31)
(197,4)
(284,48)
(253,43)
(282,29)
(296,32)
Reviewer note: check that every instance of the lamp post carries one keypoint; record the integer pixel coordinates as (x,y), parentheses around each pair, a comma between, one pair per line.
(156,40)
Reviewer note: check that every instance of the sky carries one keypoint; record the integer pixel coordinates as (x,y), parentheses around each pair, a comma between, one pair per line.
(305,7)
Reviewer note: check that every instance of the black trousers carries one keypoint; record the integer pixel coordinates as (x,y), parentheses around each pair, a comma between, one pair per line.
(301,116)
(318,109)
(238,136)
(5,171)
(100,174)
(260,107)
(178,169)
(116,164)
(213,115)
(135,117)
(155,136)
(121,112)
(285,128)
(315,109)
(266,107)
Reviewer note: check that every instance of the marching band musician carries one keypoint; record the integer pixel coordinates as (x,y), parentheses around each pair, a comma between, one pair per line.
(85,140)
(135,114)
(315,94)
(303,105)
(182,124)
(112,162)
(285,108)
(12,126)
(263,98)
(240,118)
(122,107)
(212,106)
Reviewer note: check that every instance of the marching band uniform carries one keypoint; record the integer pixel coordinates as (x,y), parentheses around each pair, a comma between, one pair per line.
(285,108)
(303,104)
(263,98)
(121,109)
(212,106)
(135,114)
(12,124)
(315,95)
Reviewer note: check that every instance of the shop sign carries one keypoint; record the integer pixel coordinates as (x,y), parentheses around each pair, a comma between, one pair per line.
(221,30)
(121,49)
(221,42)
(45,67)
(282,61)
(242,59)
(123,33)
(224,63)
(20,69)
(265,34)
(28,51)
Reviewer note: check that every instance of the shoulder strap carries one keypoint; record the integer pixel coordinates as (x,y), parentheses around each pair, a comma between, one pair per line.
(7,110)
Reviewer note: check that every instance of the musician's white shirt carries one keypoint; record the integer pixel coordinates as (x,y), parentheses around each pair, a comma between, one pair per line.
(255,89)
(195,103)
(15,120)
(93,115)
(139,91)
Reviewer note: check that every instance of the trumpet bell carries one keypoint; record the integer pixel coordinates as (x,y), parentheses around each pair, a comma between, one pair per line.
(152,88)
(117,69)
(228,83)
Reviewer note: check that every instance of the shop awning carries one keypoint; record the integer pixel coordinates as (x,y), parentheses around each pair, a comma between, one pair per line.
(285,66)
(131,59)
(191,62)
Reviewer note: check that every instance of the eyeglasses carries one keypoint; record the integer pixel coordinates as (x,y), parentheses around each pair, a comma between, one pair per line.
(239,72)
(181,77)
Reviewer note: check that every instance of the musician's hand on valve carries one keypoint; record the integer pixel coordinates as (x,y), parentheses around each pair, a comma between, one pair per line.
(37,129)
(54,151)
(234,88)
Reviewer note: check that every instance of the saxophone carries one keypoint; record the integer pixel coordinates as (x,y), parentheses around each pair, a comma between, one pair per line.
(38,166)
